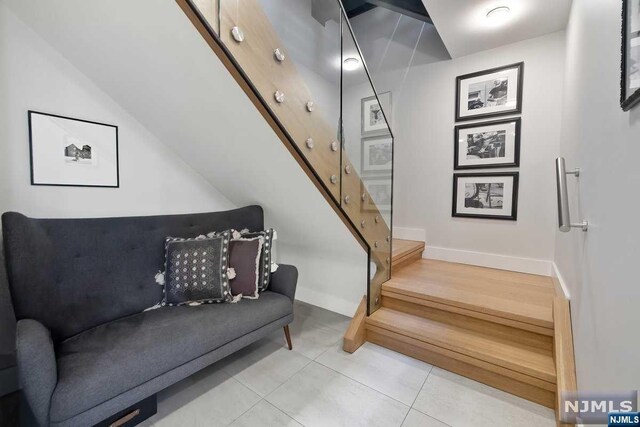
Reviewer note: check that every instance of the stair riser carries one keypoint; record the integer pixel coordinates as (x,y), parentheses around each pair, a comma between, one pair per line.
(419,303)
(405,260)
(533,389)
(498,331)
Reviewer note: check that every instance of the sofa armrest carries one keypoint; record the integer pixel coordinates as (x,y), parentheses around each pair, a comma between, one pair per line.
(37,368)
(284,281)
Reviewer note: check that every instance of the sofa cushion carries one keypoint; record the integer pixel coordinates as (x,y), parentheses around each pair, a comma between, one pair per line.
(264,272)
(244,258)
(91,271)
(110,359)
(196,270)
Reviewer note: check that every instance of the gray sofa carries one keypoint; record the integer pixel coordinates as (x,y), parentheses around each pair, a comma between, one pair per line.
(86,350)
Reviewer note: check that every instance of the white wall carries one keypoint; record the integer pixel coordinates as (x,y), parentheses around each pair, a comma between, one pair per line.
(423,123)
(153,178)
(600,267)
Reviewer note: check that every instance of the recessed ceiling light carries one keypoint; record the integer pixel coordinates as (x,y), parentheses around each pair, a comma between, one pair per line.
(351,64)
(498,15)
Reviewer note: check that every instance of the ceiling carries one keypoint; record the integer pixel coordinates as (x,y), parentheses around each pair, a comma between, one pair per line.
(464,28)
(412,8)
(391,41)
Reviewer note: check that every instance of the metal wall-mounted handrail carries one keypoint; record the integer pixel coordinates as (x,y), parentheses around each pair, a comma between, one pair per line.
(564,216)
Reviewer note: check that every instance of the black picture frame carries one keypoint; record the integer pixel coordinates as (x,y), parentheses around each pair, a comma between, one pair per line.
(513,215)
(514,111)
(367,205)
(367,169)
(30,114)
(516,156)
(384,100)
(627,100)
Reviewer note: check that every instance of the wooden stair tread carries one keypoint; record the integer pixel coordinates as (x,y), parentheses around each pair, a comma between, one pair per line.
(404,248)
(530,361)
(523,297)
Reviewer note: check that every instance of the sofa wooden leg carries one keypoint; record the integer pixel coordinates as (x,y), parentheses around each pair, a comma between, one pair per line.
(287,335)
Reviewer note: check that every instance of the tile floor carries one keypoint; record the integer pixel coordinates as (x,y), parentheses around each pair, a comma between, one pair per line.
(317,384)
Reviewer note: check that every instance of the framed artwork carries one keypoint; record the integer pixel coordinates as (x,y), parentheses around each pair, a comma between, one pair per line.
(377,155)
(373,119)
(487,145)
(72,152)
(379,189)
(486,195)
(630,76)
(490,93)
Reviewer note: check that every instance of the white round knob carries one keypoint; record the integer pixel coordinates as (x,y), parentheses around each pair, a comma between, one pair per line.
(237,34)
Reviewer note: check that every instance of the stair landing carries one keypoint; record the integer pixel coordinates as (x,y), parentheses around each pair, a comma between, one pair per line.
(505,296)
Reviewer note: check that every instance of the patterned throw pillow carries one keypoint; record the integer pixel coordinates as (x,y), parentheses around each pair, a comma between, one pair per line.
(196,270)
(264,271)
(244,259)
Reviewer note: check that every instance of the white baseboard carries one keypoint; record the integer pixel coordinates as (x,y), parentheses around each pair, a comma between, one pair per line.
(501,262)
(561,285)
(417,234)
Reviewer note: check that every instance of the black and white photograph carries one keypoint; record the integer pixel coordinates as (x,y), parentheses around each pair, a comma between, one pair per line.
(490,93)
(630,77)
(72,152)
(76,155)
(377,155)
(486,195)
(374,121)
(380,191)
(487,145)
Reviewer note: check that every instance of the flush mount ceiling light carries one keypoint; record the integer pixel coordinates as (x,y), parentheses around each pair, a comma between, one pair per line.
(498,15)
(351,64)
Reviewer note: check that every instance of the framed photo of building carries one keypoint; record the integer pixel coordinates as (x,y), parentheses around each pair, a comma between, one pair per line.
(380,194)
(374,121)
(487,145)
(377,155)
(72,152)
(490,93)
(486,195)
(630,76)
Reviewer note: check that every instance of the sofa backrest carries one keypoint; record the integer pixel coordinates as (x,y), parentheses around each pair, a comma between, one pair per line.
(74,274)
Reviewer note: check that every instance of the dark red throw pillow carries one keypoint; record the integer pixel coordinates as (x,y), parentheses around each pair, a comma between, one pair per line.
(244,258)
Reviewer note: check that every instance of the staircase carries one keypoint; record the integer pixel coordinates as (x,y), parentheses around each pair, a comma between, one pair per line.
(505,329)
(292,67)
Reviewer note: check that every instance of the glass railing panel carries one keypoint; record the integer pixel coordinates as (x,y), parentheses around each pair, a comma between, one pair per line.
(290,51)
(367,162)
(210,12)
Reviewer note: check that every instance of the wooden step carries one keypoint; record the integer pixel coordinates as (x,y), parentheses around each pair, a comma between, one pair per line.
(498,331)
(485,346)
(405,252)
(455,362)
(505,297)
(484,355)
